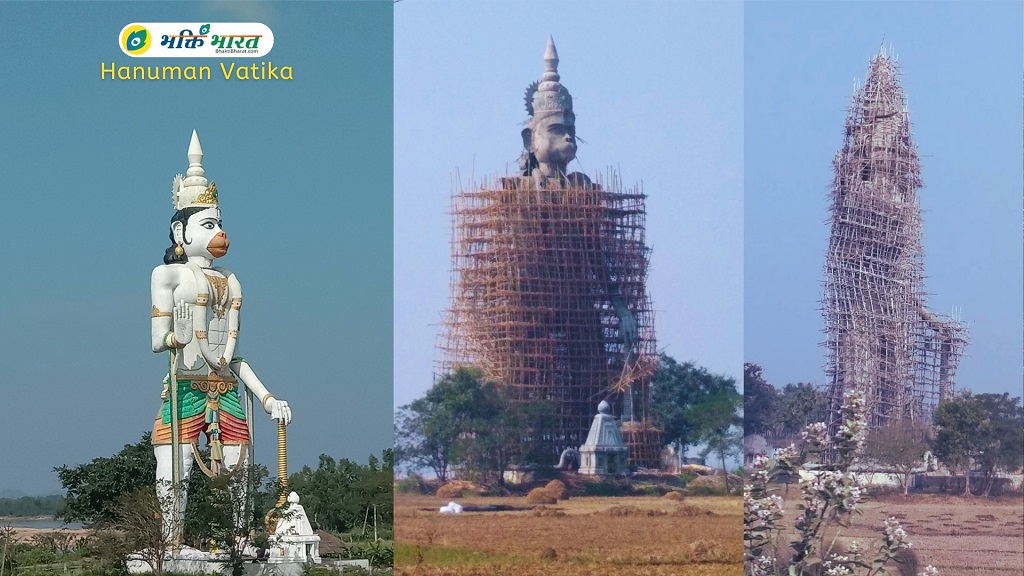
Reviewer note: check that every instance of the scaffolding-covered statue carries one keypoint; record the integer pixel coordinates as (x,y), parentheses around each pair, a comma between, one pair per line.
(881,336)
(549,292)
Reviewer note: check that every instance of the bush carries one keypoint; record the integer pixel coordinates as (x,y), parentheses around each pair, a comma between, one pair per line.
(706,486)
(451,490)
(540,496)
(648,490)
(411,484)
(557,490)
(379,553)
(606,488)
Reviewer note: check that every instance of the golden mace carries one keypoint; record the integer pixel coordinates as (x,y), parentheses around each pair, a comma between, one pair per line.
(274,515)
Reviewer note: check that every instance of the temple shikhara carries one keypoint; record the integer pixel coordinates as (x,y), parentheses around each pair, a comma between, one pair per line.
(548,292)
(881,336)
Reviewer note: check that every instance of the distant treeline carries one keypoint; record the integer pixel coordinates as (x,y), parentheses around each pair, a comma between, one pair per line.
(31,505)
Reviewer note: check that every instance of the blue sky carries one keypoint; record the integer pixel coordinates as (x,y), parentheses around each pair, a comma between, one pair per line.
(961,69)
(657,90)
(304,171)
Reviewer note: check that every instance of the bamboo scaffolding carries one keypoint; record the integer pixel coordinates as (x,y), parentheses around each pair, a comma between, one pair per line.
(880,336)
(533,273)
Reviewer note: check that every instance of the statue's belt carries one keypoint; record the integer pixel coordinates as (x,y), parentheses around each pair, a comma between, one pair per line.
(210,384)
(197,393)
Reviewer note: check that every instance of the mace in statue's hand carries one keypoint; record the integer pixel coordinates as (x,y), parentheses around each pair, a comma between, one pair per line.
(182,324)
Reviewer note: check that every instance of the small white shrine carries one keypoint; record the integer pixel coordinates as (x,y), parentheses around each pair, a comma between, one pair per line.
(294,539)
(604,451)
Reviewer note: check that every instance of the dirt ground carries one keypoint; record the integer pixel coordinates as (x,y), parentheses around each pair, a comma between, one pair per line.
(614,535)
(26,534)
(976,537)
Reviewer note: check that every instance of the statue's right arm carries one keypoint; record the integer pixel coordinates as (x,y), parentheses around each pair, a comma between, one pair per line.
(162,291)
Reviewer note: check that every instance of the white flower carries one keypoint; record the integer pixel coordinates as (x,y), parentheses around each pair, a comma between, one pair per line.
(895,535)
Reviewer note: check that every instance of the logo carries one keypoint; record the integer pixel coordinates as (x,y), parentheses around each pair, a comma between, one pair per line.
(196,40)
(135,39)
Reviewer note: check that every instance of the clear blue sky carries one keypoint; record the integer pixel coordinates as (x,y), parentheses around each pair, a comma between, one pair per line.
(962,70)
(657,89)
(304,170)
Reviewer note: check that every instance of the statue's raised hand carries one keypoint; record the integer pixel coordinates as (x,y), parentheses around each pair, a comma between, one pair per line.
(279,410)
(628,330)
(627,323)
(182,323)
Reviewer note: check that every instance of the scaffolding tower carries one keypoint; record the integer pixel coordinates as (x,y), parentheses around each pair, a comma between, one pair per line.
(881,337)
(535,272)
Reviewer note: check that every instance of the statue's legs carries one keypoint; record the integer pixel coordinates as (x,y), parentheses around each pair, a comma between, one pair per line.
(239,486)
(165,483)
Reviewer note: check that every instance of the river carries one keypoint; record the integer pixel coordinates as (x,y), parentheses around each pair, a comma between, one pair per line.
(37,522)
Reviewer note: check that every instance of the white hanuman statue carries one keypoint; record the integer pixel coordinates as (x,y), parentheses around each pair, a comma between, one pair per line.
(195,316)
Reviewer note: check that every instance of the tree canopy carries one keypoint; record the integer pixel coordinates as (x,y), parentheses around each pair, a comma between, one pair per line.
(760,401)
(787,411)
(93,489)
(464,420)
(691,404)
(340,495)
(983,431)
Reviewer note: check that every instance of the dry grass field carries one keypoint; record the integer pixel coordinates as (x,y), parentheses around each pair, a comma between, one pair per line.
(629,536)
(975,537)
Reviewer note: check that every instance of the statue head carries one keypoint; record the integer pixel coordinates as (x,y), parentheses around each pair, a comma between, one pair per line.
(196,226)
(550,135)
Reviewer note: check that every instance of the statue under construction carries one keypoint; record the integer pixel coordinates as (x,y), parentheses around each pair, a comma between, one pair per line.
(882,338)
(548,296)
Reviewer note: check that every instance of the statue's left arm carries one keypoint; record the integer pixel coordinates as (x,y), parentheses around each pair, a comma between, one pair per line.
(278,409)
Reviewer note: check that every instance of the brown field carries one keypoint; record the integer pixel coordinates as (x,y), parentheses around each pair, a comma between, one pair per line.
(629,536)
(977,537)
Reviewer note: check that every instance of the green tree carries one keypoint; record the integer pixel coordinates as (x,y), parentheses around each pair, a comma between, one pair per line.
(725,442)
(963,428)
(691,403)
(32,505)
(760,401)
(340,495)
(499,432)
(1003,445)
(900,445)
(797,406)
(428,430)
(92,490)
(136,528)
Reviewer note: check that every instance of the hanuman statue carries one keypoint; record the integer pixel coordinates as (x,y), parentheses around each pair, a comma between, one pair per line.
(196,307)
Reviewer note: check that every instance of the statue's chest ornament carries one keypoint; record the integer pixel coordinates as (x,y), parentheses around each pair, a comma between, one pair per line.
(215,337)
(218,293)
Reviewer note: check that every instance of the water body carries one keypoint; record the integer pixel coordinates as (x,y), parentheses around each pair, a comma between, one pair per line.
(41,523)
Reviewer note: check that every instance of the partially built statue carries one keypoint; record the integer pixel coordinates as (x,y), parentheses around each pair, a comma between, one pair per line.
(549,290)
(881,336)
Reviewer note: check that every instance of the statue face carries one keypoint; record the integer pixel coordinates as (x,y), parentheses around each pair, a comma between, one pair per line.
(554,140)
(202,236)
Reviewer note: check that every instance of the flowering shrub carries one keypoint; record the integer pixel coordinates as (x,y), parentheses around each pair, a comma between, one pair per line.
(830,493)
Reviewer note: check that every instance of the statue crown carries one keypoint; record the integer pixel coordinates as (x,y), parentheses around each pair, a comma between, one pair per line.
(193,190)
(547,96)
